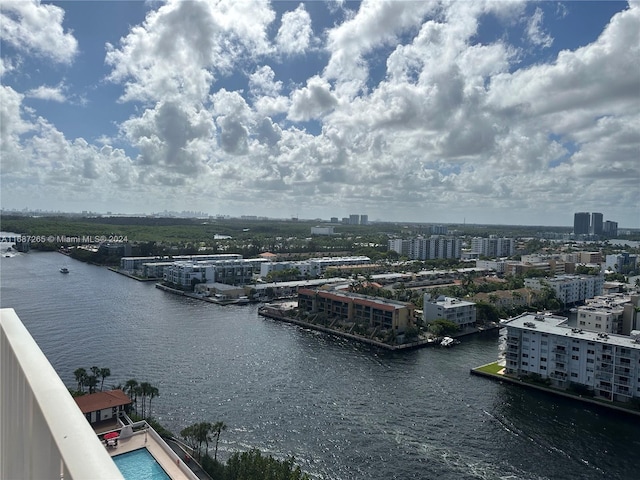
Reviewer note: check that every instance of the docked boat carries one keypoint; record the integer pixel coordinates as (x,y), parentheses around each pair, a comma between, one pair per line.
(64,270)
(448,342)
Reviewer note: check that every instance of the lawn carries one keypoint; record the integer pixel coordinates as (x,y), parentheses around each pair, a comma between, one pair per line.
(493,368)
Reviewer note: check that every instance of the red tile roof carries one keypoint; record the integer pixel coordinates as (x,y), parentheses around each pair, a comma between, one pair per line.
(102,400)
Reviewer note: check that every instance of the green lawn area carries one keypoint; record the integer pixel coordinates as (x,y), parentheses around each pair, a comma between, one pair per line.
(490,368)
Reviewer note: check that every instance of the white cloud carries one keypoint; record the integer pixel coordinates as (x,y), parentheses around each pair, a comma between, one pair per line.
(534,30)
(262,82)
(295,33)
(451,125)
(312,101)
(44,92)
(35,28)
(180,49)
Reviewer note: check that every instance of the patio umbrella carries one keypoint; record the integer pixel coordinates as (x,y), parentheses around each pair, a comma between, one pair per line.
(111,435)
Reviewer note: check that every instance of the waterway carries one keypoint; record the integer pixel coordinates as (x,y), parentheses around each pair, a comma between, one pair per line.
(345,411)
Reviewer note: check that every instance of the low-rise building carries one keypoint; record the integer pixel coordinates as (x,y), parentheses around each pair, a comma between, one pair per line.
(328,230)
(461,312)
(133,264)
(569,289)
(359,309)
(103,406)
(188,273)
(545,346)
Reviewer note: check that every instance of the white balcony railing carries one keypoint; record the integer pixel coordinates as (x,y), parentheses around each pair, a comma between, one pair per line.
(43,433)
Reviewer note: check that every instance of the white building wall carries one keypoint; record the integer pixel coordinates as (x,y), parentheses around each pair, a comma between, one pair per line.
(43,433)
(458,311)
(606,364)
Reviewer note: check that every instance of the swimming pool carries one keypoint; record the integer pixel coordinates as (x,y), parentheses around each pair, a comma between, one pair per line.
(140,465)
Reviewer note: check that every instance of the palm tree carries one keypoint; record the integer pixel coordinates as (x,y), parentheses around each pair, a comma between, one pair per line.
(218,427)
(137,392)
(153,392)
(91,382)
(144,391)
(81,377)
(130,389)
(104,373)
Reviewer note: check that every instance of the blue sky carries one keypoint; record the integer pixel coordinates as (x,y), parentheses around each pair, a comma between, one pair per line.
(491,111)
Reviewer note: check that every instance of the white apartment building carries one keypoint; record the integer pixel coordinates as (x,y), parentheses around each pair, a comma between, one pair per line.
(303,266)
(319,265)
(544,345)
(132,264)
(314,267)
(231,272)
(621,263)
(569,289)
(400,245)
(496,265)
(431,248)
(613,313)
(493,246)
(458,311)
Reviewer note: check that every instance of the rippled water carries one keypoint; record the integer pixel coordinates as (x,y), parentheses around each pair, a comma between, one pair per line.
(345,411)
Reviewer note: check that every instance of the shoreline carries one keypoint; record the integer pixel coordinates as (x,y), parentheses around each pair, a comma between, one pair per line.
(553,391)
(276,314)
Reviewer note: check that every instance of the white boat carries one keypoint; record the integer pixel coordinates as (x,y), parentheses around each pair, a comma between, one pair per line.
(64,270)
(448,342)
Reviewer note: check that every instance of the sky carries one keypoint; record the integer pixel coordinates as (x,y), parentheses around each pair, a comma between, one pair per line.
(498,112)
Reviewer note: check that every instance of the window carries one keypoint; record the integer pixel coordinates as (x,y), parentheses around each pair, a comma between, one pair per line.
(591,352)
(543,359)
(574,374)
(544,368)
(575,349)
(589,360)
(598,325)
(574,357)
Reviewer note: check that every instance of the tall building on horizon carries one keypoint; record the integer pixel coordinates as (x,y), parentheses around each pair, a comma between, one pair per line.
(581,223)
(596,223)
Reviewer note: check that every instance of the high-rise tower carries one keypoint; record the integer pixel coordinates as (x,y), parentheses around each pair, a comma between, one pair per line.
(581,223)
(596,223)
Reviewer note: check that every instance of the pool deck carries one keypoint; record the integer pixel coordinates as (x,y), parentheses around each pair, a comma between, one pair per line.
(144,440)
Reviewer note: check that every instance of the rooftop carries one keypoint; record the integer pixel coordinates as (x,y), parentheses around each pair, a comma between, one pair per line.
(557,325)
(102,400)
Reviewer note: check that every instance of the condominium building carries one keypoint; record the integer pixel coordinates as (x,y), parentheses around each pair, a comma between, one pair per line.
(621,262)
(612,313)
(314,267)
(596,223)
(569,289)
(496,265)
(434,247)
(581,223)
(455,310)
(188,273)
(493,246)
(359,309)
(544,345)
(610,228)
(132,264)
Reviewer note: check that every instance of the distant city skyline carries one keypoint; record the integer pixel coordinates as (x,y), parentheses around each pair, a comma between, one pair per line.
(482,112)
(331,219)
